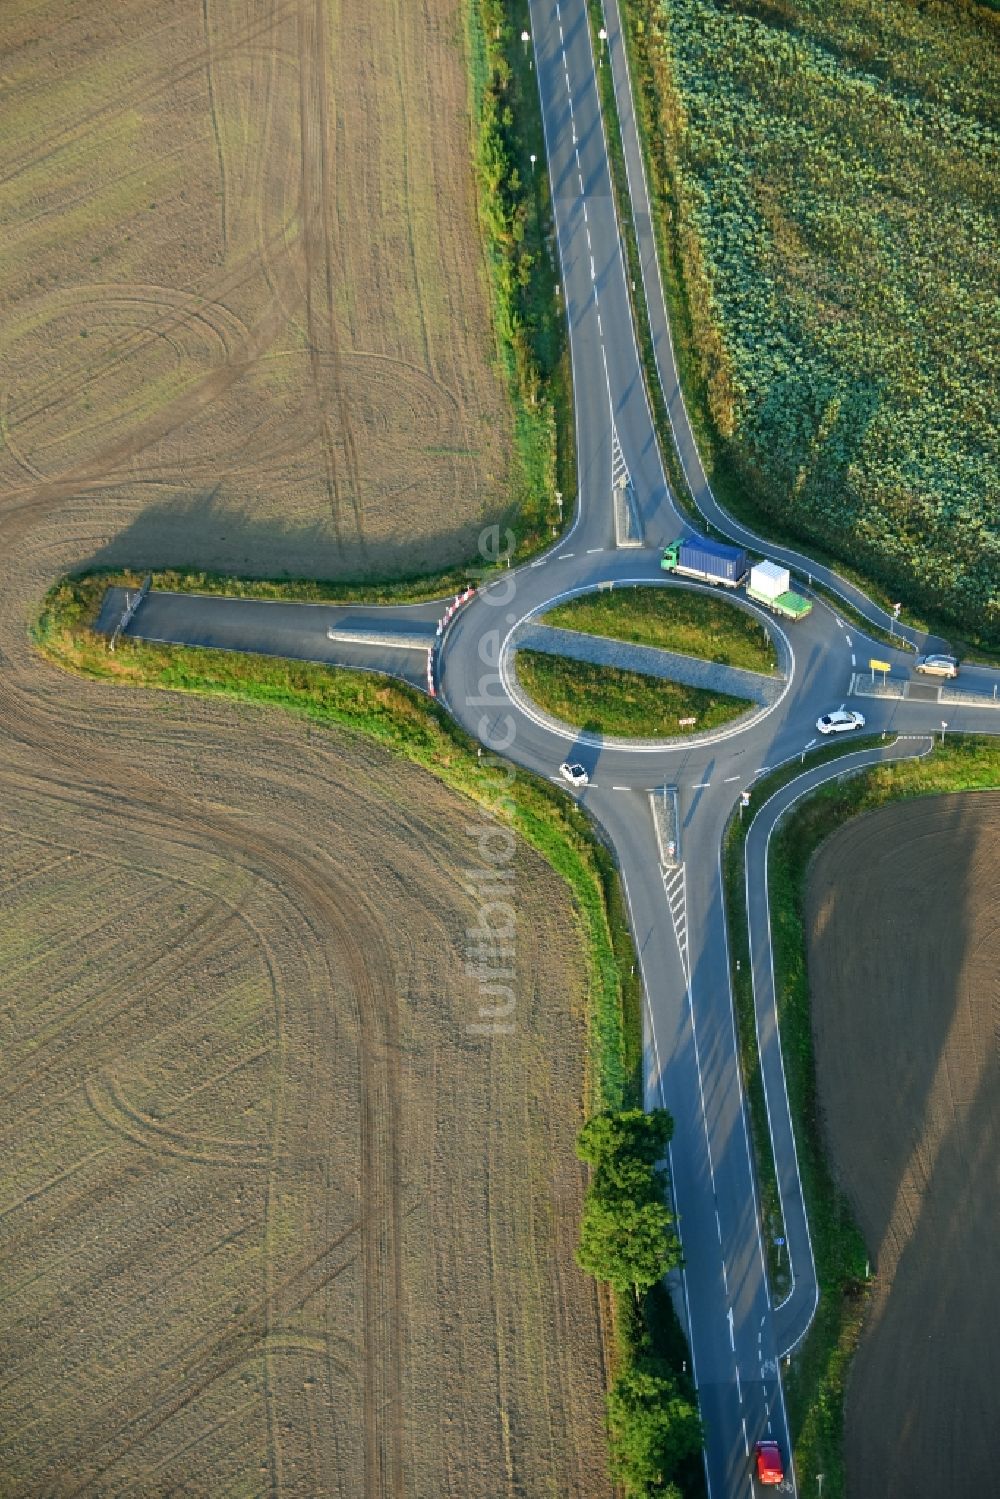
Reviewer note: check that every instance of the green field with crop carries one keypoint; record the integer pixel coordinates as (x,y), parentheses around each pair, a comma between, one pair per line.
(827,173)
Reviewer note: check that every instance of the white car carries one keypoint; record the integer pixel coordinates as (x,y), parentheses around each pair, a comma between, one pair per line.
(840,722)
(575,774)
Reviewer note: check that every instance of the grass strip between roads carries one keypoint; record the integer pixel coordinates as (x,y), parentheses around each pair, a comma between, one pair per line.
(608,700)
(816,1382)
(674,619)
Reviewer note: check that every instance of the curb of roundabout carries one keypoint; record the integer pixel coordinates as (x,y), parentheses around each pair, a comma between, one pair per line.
(546,721)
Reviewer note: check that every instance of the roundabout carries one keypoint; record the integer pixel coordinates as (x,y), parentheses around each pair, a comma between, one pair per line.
(737,1337)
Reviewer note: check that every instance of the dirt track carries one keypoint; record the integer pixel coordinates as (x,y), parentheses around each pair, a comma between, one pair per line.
(271,1221)
(904,915)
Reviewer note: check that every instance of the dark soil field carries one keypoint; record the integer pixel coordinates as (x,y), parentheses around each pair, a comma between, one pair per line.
(903,912)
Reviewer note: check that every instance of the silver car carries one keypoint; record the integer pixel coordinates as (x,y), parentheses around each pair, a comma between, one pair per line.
(575,774)
(937,666)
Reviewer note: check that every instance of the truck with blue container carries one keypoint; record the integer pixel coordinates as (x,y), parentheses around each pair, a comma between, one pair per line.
(708,561)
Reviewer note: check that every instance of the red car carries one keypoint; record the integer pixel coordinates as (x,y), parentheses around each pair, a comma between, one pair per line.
(770,1468)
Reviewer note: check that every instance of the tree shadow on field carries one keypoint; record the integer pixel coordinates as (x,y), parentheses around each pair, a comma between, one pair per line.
(206,531)
(903,963)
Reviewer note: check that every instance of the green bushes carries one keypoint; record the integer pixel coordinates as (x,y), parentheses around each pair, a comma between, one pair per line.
(627,1237)
(654,1427)
(627,1240)
(826,177)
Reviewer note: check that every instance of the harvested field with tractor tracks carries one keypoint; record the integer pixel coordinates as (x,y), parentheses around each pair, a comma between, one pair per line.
(903,917)
(247,319)
(272,1219)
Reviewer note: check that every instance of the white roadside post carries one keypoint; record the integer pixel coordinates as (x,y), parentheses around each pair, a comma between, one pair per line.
(603,37)
(944,730)
(526,38)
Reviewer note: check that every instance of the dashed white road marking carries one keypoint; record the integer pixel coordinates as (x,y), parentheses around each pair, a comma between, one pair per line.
(854,659)
(600,330)
(565,556)
(593,273)
(731,778)
(585,218)
(732,1334)
(621,788)
(591,551)
(699,785)
(848,641)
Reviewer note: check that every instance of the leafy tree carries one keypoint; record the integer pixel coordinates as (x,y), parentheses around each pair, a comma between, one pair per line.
(629,1244)
(629,1133)
(654,1428)
(627,1236)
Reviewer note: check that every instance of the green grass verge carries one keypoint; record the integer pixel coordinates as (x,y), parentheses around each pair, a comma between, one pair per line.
(607,700)
(675,619)
(816,1381)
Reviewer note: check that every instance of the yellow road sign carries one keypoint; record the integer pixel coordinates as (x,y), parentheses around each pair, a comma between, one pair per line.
(880,665)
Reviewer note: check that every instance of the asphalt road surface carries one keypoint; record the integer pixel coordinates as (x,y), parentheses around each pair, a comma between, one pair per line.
(737,1337)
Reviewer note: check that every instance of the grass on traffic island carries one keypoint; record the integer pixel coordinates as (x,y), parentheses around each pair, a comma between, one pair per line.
(645,1327)
(607,700)
(674,619)
(816,1381)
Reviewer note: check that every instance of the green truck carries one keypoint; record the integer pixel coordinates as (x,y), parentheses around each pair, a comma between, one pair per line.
(769,585)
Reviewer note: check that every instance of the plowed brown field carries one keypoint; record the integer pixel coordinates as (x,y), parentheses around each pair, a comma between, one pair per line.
(904,922)
(272,1221)
(245,311)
